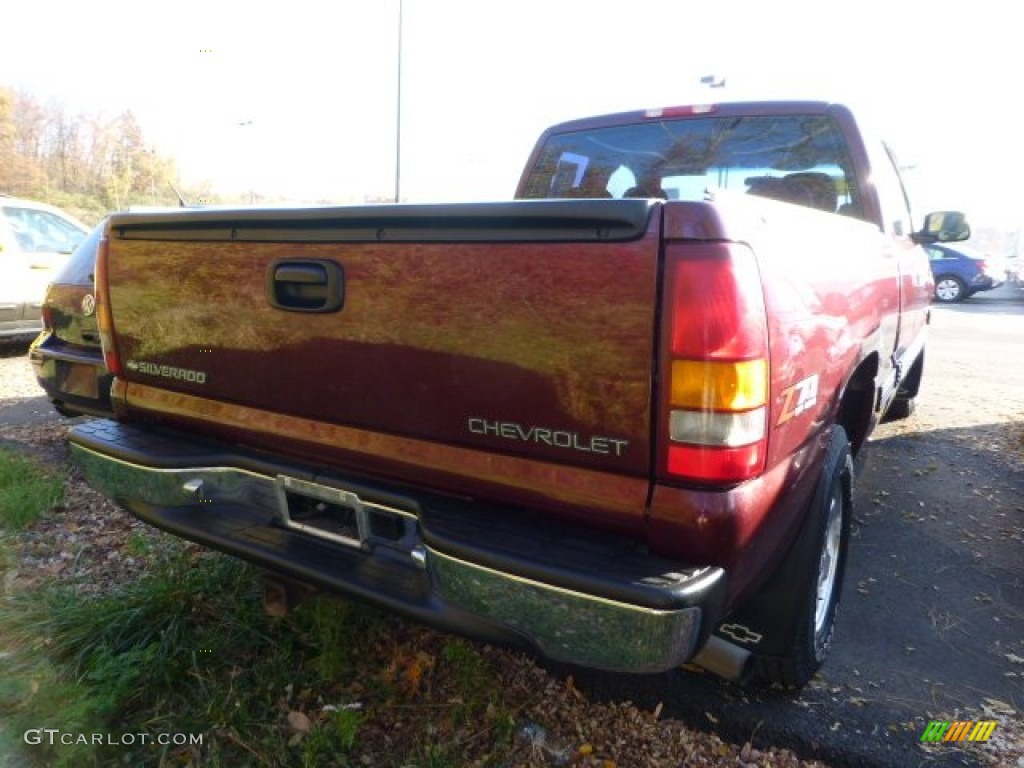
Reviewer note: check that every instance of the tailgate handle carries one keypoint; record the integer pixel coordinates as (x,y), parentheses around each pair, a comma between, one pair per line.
(302,285)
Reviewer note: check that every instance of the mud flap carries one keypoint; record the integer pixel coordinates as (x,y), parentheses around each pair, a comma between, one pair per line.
(770,623)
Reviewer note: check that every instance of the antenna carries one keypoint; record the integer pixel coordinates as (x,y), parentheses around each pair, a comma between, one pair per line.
(177,194)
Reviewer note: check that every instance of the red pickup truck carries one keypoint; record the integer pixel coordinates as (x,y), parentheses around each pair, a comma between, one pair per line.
(615,430)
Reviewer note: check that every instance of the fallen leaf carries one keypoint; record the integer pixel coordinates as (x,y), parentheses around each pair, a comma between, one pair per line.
(299,722)
(997,707)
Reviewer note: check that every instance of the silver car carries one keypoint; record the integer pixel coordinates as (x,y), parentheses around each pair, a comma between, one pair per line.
(35,241)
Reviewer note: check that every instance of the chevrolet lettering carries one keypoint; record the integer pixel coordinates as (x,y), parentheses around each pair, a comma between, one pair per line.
(559,438)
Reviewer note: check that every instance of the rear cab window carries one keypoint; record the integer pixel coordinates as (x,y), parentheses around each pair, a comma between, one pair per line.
(800,159)
(79,268)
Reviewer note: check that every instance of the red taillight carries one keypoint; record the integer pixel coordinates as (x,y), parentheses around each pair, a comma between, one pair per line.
(715,365)
(717,307)
(716,465)
(104,319)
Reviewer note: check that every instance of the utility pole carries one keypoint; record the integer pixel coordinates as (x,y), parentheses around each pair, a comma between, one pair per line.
(250,144)
(398,113)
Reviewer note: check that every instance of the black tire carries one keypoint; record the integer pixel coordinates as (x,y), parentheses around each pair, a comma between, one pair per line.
(950,289)
(813,575)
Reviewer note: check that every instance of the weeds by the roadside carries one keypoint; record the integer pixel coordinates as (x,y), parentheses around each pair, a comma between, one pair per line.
(189,650)
(112,630)
(26,490)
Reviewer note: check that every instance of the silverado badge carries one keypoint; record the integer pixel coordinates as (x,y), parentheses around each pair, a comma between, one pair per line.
(166,371)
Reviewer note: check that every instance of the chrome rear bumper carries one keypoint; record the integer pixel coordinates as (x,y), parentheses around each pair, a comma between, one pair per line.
(406,554)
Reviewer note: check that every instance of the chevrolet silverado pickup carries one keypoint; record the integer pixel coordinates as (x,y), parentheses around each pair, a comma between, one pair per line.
(610,421)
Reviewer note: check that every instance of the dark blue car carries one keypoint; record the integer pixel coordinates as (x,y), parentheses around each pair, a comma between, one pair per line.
(958,274)
(66,356)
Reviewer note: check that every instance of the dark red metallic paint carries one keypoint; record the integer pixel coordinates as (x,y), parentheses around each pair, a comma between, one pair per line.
(431,336)
(435,334)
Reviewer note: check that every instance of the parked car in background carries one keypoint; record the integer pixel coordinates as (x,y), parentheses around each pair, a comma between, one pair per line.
(66,356)
(959,275)
(35,240)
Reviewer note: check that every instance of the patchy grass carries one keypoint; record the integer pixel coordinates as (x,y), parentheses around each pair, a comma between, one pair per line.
(189,650)
(26,490)
(110,628)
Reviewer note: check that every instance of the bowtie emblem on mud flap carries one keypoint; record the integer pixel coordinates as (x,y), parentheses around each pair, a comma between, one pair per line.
(740,634)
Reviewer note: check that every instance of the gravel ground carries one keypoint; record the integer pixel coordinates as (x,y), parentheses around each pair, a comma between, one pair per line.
(21,399)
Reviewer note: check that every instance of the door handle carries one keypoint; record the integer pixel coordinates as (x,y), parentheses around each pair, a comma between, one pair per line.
(306,285)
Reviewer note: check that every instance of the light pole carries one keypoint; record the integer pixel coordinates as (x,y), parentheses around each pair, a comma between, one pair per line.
(251,154)
(398,113)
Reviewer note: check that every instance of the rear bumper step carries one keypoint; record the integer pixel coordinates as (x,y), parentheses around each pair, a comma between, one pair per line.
(502,575)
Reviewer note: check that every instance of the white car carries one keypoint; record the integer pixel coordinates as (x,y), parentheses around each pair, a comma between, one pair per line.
(35,241)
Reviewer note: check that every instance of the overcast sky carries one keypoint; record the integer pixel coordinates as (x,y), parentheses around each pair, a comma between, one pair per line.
(299,98)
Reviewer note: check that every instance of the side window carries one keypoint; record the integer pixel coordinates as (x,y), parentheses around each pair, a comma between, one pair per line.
(20,228)
(79,268)
(42,231)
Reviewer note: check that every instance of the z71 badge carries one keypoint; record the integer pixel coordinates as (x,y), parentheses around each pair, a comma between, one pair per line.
(798,398)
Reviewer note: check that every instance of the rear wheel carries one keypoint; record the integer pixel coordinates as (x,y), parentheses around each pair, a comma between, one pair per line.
(812,577)
(950,289)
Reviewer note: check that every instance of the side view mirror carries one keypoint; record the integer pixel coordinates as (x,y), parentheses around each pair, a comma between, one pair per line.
(943,227)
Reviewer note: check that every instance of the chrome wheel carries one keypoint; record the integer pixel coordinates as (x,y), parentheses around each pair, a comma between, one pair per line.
(828,566)
(796,610)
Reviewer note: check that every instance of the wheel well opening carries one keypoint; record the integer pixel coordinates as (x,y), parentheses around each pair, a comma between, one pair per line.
(857,404)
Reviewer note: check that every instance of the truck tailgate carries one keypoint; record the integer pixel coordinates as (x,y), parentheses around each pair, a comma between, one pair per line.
(524,329)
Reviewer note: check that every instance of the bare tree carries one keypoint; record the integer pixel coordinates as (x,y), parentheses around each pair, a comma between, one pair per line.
(92,162)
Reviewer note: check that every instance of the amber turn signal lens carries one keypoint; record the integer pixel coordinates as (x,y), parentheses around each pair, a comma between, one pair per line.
(719,386)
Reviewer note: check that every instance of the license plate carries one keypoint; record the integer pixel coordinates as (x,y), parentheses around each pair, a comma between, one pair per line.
(77,380)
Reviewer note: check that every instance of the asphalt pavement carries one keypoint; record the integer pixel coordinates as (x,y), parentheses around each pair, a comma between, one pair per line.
(931,623)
